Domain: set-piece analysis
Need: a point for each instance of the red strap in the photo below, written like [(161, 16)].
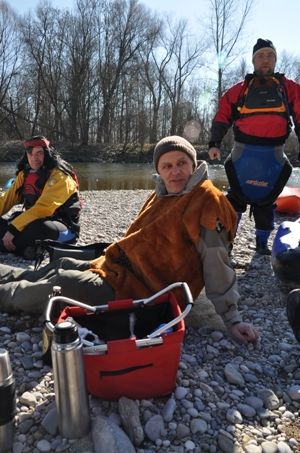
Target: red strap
[(123, 304), (43, 142)]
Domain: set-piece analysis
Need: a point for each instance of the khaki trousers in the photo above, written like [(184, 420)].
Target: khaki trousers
[(29, 290)]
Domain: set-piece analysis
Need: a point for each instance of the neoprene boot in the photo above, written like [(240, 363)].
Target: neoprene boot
[(262, 237), (293, 311), (29, 253)]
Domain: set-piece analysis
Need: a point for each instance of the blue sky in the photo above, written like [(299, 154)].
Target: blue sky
[(270, 19)]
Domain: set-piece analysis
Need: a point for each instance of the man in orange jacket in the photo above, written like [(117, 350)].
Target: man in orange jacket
[(182, 233)]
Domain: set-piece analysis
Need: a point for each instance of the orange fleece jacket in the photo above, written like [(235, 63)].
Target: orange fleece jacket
[(159, 247)]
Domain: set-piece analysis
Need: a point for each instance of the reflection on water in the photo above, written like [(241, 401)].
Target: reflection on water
[(97, 176), (94, 176)]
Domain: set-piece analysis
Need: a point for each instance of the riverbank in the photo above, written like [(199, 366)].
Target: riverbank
[(229, 397), (12, 151)]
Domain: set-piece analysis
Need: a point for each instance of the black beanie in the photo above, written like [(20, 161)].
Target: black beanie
[(263, 44), (174, 143)]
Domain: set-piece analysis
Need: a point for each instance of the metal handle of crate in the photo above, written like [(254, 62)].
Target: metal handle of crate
[(148, 300), (167, 289), (67, 301), (97, 308), (173, 322)]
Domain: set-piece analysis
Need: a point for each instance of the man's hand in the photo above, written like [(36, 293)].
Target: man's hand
[(214, 153), (244, 332), (8, 242)]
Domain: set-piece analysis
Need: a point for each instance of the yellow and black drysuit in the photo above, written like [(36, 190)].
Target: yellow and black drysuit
[(50, 208)]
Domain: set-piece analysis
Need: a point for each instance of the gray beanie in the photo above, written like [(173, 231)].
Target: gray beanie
[(174, 143)]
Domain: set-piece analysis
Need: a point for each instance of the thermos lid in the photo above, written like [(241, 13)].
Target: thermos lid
[(5, 366), (65, 332)]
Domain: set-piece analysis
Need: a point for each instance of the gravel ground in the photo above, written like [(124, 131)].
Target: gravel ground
[(229, 397)]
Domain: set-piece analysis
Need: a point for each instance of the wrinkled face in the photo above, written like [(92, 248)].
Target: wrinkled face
[(35, 157), (175, 169), (264, 62)]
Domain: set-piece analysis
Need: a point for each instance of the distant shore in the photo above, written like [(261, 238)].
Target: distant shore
[(12, 151)]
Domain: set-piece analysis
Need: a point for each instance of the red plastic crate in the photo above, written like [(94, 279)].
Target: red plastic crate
[(141, 366)]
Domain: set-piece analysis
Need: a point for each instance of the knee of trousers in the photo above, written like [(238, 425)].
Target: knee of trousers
[(25, 296)]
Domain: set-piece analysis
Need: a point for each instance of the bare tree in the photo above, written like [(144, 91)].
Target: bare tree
[(81, 49), (199, 95), (227, 22), (124, 29), (111, 71), (182, 56), (289, 65), (9, 61), (152, 67), (45, 43)]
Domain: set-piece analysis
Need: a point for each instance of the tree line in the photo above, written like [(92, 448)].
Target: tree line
[(115, 72)]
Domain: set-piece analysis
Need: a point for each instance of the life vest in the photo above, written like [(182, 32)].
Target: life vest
[(262, 96), (31, 189), (33, 186)]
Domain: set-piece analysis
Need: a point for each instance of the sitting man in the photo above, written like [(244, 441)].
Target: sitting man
[(183, 232), (47, 187)]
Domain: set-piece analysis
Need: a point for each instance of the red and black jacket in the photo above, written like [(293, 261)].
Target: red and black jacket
[(259, 109)]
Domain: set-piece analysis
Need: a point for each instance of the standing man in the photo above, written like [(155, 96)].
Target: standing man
[(260, 109)]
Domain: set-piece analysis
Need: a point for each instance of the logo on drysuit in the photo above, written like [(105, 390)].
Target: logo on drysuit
[(255, 182)]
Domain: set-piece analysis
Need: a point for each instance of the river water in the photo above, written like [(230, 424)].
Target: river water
[(99, 176)]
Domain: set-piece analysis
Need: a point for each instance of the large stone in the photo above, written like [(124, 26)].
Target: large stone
[(203, 314), (109, 438), (130, 417)]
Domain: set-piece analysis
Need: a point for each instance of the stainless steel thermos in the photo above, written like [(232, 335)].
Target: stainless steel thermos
[(69, 381), (7, 402)]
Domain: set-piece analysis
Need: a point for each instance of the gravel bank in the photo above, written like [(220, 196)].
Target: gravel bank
[(229, 398)]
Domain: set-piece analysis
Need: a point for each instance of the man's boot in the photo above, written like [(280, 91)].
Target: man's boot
[(293, 312), (262, 242)]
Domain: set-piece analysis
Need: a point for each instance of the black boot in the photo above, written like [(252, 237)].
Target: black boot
[(29, 253), (262, 247), (293, 312)]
